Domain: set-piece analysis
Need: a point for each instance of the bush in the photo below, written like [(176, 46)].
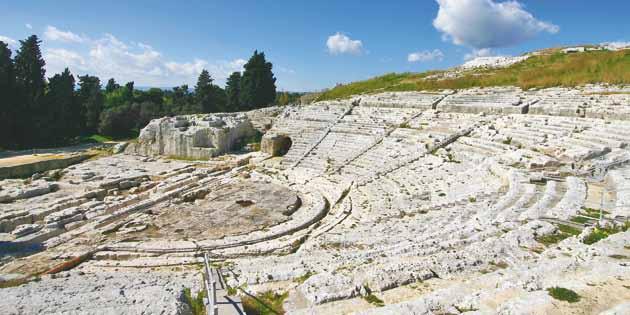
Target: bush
[(563, 294)]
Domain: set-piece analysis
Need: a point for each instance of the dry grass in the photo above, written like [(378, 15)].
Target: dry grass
[(555, 69)]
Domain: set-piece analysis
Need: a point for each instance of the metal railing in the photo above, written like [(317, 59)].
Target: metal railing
[(211, 288)]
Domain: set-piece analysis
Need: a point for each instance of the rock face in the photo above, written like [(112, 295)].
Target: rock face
[(192, 136)]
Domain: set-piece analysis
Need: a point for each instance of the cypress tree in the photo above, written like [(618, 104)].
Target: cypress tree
[(203, 92), (258, 85), (29, 75), (64, 116), (91, 97), (7, 97), (232, 91)]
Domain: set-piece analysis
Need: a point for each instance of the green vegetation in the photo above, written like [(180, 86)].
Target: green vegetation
[(564, 231), (264, 303), (17, 282), (96, 139), (563, 294), (49, 112), (304, 277), (373, 299), (196, 304), (556, 69), (600, 233)]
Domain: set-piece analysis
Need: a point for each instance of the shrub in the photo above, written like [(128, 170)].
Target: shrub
[(563, 294)]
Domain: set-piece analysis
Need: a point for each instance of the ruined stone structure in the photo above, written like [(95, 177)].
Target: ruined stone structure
[(477, 200), (192, 136)]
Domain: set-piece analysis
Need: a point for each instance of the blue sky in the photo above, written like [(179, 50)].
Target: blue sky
[(312, 44)]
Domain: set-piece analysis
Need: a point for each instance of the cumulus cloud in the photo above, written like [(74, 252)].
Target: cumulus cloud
[(29, 26), (54, 34), (487, 24), (108, 57), (342, 44), (426, 55), (8, 40), (484, 52)]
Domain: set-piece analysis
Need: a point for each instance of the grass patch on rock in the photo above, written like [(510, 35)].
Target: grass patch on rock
[(196, 304), (564, 232), (265, 303), (563, 294), (600, 233), (304, 277)]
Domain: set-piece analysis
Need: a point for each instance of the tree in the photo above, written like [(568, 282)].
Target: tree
[(91, 96), (63, 112), (258, 85), (29, 76), (232, 91), (111, 86), (204, 93), (128, 92), (7, 97)]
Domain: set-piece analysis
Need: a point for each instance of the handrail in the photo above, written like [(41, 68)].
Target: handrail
[(211, 288)]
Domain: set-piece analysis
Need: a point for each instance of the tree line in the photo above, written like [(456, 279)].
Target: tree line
[(61, 110)]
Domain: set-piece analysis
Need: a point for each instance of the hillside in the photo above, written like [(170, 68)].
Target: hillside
[(546, 69)]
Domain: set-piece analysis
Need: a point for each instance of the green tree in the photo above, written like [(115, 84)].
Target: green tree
[(7, 97), (258, 84), (91, 97), (111, 86), (30, 81), (232, 91), (128, 92), (63, 112), (203, 92)]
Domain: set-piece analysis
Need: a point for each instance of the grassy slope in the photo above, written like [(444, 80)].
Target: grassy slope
[(556, 69)]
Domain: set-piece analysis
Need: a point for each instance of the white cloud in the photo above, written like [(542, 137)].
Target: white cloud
[(484, 52), (9, 41), (426, 55), (487, 24), (109, 57), (29, 26), (342, 44), (54, 34)]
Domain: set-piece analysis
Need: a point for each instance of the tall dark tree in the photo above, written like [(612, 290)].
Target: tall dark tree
[(91, 96), (111, 86), (203, 92), (128, 92), (233, 91), (64, 118), (29, 76), (7, 97), (258, 85)]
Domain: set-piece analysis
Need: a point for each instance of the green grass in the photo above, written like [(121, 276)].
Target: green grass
[(556, 69), (563, 294), (265, 303), (564, 231), (196, 304), (374, 300), (96, 139), (600, 233), (304, 277)]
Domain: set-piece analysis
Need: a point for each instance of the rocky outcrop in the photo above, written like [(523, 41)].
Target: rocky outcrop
[(192, 136)]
